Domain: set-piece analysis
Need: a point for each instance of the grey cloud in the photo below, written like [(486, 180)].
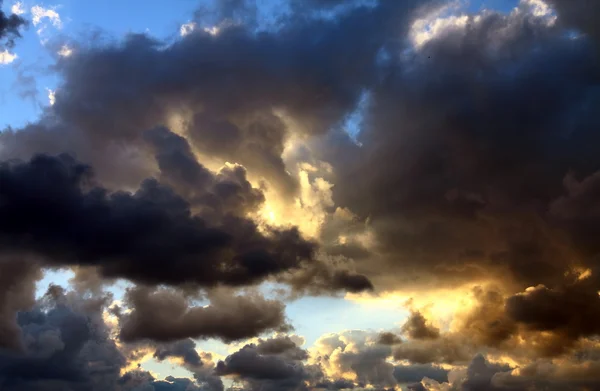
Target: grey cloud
[(416, 372), (184, 349), (457, 166), (165, 315), (133, 236), (18, 277), (9, 28), (417, 327), (388, 338), (66, 344)]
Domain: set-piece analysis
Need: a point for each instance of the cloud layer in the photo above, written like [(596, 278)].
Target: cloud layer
[(414, 150)]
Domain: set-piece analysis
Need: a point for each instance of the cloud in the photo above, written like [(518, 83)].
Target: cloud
[(416, 327), (164, 315), (7, 57), (184, 349), (39, 13), (187, 28), (65, 343), (145, 229), (448, 203), (44, 19), (9, 30), (355, 355), (17, 8), (65, 51), (216, 156), (18, 281), (269, 366), (579, 14), (388, 338), (51, 96), (415, 373)]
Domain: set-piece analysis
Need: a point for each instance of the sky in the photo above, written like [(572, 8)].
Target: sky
[(299, 195)]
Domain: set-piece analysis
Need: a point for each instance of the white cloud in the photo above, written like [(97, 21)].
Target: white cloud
[(540, 9), (40, 13), (65, 51), (17, 8), (6, 57), (43, 18), (440, 21), (187, 28), (51, 96), (214, 30)]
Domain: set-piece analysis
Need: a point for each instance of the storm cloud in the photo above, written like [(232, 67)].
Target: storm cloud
[(381, 150), (131, 235)]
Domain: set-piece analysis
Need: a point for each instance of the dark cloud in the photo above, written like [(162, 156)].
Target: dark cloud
[(226, 86), (482, 375), (134, 236), (229, 192), (248, 363), (282, 345), (9, 28), (340, 384), (66, 346), (325, 277), (479, 376), (18, 277), (416, 387), (487, 323), (416, 372), (142, 381), (165, 315), (579, 14), (457, 165), (476, 163), (261, 369), (200, 365), (570, 312), (450, 348), (417, 327), (388, 338)]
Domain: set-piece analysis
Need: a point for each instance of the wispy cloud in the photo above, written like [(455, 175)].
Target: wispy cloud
[(44, 18), (39, 13)]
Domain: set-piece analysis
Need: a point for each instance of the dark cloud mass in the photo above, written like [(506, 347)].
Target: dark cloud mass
[(9, 28), (475, 145), (166, 316), (416, 327), (193, 167), (50, 206)]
